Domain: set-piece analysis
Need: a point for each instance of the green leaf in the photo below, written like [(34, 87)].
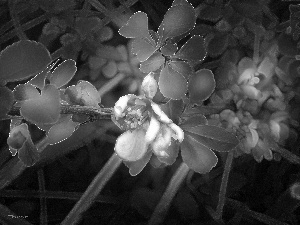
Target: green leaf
[(153, 63), (136, 26), (197, 156), (143, 48), (39, 79), (22, 60), (172, 84), (184, 68), (169, 48), (201, 85), (24, 92), (193, 49), (180, 2), (63, 73), (287, 45), (6, 101), (179, 19), (44, 109), (28, 153), (61, 130), (193, 121), (213, 137)]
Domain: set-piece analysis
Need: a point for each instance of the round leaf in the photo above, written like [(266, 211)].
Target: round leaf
[(6, 101), (25, 91), (136, 26), (172, 84), (193, 49), (61, 130), (63, 73), (178, 20), (22, 60), (197, 156), (201, 85), (43, 109), (169, 49)]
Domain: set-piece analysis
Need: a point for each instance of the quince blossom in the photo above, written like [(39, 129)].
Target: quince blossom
[(147, 127)]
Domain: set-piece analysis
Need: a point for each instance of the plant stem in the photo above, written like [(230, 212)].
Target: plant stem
[(93, 190), (93, 112), (162, 207), (223, 188)]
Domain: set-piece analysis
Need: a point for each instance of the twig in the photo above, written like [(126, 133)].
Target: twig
[(92, 112)]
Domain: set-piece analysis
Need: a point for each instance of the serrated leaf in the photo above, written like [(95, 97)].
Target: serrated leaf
[(44, 109), (63, 73), (169, 49), (184, 68), (179, 19), (61, 130), (193, 49), (6, 101), (197, 156), (213, 137), (24, 92), (143, 48), (201, 85), (217, 45), (172, 84), (153, 63), (22, 60), (136, 26)]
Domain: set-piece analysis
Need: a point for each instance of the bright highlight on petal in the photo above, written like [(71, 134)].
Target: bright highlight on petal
[(152, 130), (121, 105), (179, 132), (131, 146), (162, 116)]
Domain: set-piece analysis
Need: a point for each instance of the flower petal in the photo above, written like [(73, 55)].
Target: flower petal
[(131, 146), (152, 130)]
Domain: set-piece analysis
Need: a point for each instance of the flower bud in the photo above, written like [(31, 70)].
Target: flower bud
[(149, 86)]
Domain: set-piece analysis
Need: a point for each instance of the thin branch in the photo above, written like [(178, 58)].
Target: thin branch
[(93, 113)]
